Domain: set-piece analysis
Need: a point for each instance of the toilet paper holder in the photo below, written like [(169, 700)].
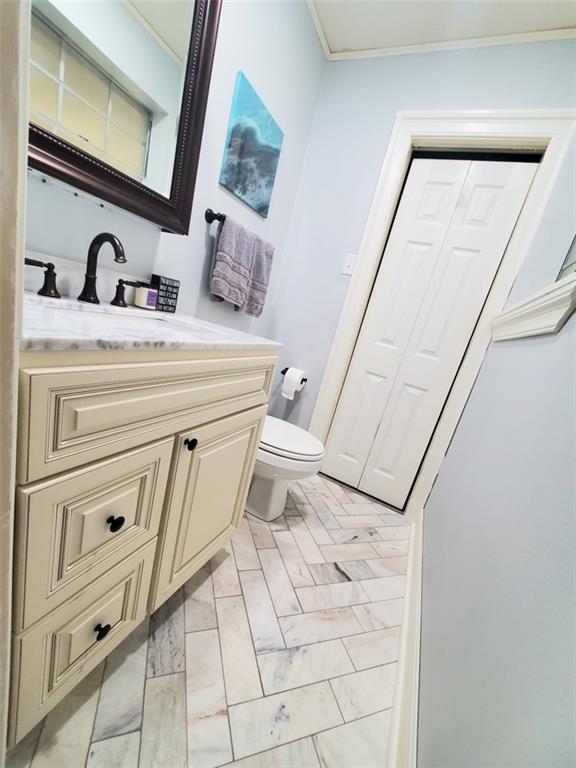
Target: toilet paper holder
[(283, 372)]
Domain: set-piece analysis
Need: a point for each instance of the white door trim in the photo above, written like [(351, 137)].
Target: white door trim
[(14, 36), (551, 131), (546, 311), (402, 741)]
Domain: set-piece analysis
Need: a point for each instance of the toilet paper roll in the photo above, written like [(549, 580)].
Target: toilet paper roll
[(293, 382)]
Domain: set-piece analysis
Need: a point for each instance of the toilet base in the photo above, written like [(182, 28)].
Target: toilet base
[(267, 497)]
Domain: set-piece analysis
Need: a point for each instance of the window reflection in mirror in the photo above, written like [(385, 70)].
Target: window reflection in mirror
[(569, 265), (107, 77)]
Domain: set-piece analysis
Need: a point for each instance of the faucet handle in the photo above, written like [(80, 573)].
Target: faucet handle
[(49, 285), (119, 300)]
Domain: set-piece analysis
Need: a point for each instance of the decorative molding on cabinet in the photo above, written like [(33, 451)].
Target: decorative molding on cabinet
[(544, 312)]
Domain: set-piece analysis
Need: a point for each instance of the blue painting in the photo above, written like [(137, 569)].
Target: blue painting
[(252, 148)]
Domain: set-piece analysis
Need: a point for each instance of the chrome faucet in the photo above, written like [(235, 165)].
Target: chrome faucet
[(89, 291)]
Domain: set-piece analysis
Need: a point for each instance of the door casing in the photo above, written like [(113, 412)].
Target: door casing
[(544, 130), (550, 131), (384, 421)]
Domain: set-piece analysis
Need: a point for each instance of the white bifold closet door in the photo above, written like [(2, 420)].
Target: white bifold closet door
[(450, 232)]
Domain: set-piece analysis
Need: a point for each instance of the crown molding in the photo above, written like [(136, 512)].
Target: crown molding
[(540, 36), (456, 45), (544, 312), (319, 29)]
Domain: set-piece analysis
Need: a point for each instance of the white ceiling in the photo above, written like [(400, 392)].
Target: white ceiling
[(170, 20), (349, 28)]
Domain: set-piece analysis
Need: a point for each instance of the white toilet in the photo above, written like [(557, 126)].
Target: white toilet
[(286, 453)]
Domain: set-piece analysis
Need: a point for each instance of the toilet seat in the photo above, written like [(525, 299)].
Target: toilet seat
[(271, 465), (289, 441)]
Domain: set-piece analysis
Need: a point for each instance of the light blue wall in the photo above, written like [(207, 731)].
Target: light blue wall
[(497, 685), (62, 221), (499, 562), (276, 46), (499, 566), (337, 120), (498, 538), (356, 110)]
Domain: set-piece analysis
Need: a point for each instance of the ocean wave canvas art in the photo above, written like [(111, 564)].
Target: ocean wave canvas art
[(253, 145)]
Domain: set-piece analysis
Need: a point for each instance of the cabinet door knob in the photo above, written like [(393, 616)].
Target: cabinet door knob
[(190, 443), (102, 631), (115, 523)]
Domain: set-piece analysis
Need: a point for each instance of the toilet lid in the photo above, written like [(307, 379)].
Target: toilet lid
[(284, 439)]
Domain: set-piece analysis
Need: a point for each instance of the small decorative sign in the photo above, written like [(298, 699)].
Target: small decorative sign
[(167, 288), (252, 149)]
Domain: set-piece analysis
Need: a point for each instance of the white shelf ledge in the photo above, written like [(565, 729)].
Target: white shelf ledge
[(544, 312)]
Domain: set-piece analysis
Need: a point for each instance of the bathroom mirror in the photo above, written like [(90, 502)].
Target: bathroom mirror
[(118, 92)]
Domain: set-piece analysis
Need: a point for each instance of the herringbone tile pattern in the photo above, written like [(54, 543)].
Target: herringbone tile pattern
[(281, 652)]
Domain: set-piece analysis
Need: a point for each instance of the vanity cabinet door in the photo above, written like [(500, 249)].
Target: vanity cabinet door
[(206, 496)]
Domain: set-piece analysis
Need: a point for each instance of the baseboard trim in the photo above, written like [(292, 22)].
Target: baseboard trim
[(402, 742)]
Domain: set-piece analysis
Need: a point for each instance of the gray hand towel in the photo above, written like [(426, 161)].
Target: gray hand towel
[(241, 267), (259, 277)]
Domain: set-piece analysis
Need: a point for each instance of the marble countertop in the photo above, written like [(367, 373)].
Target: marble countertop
[(61, 324)]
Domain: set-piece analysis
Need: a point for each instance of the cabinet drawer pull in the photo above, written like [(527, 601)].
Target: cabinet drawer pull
[(190, 443), (102, 631), (115, 523)]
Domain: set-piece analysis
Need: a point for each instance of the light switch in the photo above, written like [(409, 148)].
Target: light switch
[(349, 260)]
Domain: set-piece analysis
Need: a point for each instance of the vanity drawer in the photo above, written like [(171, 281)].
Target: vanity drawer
[(69, 530), (71, 416), (51, 658)]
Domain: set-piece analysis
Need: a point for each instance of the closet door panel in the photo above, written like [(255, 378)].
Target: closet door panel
[(483, 221), (426, 208)]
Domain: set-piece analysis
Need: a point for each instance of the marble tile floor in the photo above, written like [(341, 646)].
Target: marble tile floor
[(280, 653)]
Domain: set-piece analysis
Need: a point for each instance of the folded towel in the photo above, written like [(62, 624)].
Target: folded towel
[(259, 277), (230, 277), (241, 267)]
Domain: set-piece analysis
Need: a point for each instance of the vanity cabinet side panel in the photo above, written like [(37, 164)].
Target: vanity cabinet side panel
[(24, 426), (211, 475)]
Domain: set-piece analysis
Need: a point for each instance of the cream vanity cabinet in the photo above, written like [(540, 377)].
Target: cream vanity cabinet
[(133, 470)]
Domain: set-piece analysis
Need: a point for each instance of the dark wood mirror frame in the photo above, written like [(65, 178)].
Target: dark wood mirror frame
[(55, 157)]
